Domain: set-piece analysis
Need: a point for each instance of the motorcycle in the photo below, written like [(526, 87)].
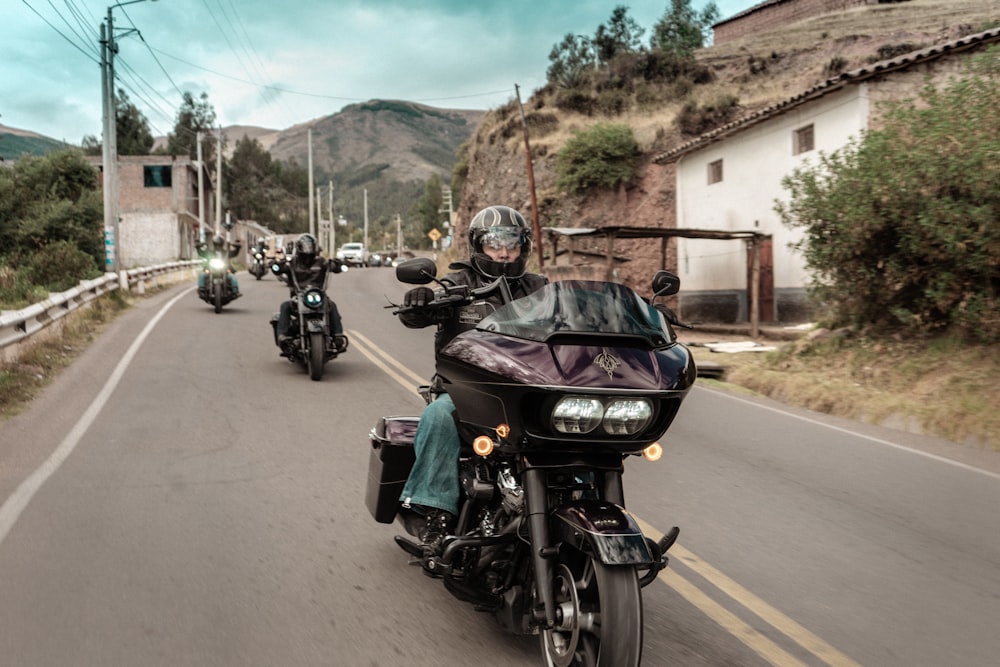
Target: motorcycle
[(217, 290), (258, 267), (553, 392), (312, 344)]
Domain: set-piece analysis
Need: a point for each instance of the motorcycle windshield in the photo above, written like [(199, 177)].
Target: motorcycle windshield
[(579, 307)]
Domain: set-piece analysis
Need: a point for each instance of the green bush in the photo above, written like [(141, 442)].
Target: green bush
[(603, 156), (60, 266), (901, 226)]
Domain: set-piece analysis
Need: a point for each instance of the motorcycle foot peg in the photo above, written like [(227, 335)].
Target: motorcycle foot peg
[(434, 567), (409, 546), (668, 540)]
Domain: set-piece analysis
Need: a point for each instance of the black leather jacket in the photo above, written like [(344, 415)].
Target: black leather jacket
[(456, 320)]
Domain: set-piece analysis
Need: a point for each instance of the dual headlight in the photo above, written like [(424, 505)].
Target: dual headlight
[(313, 298), (618, 416)]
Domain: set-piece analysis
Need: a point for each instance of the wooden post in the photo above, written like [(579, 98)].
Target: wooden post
[(531, 183), (755, 287), (610, 270)]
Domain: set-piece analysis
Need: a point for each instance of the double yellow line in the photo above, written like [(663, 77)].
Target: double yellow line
[(764, 647)]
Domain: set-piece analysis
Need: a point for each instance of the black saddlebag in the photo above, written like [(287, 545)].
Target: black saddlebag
[(389, 464)]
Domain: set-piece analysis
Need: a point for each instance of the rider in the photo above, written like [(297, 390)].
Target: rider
[(218, 249), (309, 270), (499, 243)]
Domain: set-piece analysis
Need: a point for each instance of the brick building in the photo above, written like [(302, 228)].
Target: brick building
[(773, 13), (158, 206)]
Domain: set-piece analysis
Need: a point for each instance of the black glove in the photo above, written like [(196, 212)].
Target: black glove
[(418, 296), (336, 265)]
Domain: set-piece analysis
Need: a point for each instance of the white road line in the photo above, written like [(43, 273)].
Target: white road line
[(12, 508)]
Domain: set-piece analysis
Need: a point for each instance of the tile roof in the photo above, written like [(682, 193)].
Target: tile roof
[(836, 83)]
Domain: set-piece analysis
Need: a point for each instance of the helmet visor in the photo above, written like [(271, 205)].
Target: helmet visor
[(502, 238)]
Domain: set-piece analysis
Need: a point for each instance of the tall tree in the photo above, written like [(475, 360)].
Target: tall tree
[(621, 34), (194, 116), (426, 212), (249, 181), (131, 130), (570, 60), (681, 29)]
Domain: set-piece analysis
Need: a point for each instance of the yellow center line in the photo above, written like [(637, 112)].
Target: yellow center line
[(772, 616)]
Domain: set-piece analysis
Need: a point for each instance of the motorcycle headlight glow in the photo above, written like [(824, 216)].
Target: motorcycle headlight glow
[(577, 414), (216, 263), (313, 298), (627, 416)]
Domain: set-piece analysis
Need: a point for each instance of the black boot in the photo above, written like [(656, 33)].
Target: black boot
[(438, 526)]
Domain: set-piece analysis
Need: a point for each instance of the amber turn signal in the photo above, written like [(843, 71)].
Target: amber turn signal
[(482, 445), (653, 452)]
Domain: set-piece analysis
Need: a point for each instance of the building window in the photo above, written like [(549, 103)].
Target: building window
[(715, 172), (156, 176), (803, 140)]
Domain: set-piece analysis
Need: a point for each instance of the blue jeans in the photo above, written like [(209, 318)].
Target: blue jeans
[(433, 481), (233, 285)]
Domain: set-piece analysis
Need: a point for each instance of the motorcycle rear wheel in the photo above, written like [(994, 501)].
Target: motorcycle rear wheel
[(316, 355), (601, 624)]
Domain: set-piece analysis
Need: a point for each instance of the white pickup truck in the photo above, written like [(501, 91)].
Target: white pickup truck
[(354, 254)]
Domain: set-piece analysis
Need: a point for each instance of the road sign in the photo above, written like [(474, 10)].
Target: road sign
[(434, 235)]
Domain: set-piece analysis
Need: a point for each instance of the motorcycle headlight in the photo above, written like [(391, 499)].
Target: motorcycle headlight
[(618, 416), (313, 298), (577, 414), (216, 263), (626, 416)]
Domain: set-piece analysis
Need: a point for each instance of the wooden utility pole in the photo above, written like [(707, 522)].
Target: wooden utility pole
[(535, 227)]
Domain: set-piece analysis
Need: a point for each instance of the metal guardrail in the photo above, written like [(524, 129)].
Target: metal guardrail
[(16, 326)]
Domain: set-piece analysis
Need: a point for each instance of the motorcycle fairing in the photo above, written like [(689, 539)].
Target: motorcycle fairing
[(602, 529)]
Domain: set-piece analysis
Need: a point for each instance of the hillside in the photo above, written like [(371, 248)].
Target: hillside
[(15, 142), (757, 71)]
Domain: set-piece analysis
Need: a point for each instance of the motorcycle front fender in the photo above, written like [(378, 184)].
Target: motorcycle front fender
[(314, 326), (603, 530)]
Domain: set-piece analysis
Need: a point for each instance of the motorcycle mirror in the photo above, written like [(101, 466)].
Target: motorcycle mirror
[(416, 271), (665, 283)]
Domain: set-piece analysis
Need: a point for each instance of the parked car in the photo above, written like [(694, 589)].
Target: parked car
[(354, 254)]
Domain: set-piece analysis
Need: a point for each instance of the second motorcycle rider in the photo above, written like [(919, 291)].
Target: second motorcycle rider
[(499, 245), (310, 270)]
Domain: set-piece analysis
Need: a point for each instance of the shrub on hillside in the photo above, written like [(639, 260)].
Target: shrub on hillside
[(602, 156), (60, 266), (901, 226)]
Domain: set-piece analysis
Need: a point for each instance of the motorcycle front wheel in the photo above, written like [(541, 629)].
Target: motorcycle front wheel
[(218, 298), (601, 620), (316, 355)]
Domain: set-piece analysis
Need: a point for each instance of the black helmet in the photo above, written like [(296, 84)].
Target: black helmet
[(306, 248), (218, 241), (499, 226)]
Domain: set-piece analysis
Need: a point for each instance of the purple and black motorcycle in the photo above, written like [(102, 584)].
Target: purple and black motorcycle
[(553, 393)]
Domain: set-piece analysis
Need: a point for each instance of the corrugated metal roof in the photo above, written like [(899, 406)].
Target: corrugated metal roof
[(830, 85)]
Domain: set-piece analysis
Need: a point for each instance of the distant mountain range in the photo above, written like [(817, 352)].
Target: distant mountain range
[(395, 140)]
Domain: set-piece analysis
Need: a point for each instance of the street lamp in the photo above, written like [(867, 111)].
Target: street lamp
[(110, 147)]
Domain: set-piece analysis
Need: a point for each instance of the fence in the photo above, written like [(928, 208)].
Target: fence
[(18, 326)]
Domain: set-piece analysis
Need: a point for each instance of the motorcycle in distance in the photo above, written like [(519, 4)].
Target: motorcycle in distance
[(218, 290), (312, 343), (553, 393), (258, 266)]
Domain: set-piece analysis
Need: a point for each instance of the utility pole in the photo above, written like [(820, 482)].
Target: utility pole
[(312, 226), (333, 225), (536, 229), (201, 190), (366, 218), (218, 183)]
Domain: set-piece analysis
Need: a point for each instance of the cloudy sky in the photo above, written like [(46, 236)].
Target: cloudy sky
[(275, 63)]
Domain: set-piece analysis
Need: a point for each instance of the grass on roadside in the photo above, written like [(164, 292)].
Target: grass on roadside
[(940, 386), (23, 380)]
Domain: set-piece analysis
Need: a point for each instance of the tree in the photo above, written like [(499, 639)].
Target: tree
[(681, 29), (249, 181), (193, 117), (620, 35), (570, 60), (426, 212), (131, 130), (901, 226)]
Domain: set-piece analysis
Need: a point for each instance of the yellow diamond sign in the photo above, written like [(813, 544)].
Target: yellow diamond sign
[(434, 234)]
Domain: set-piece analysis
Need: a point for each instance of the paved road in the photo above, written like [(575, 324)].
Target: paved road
[(183, 496)]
